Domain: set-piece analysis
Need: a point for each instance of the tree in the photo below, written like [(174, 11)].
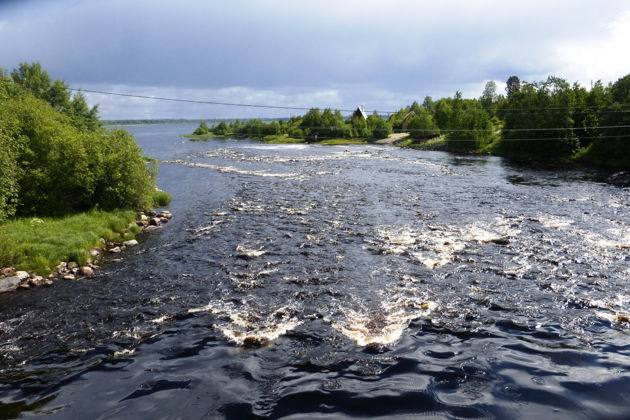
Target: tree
[(428, 103), (513, 85), (36, 80), (202, 130), (547, 109), (489, 97), (422, 124)]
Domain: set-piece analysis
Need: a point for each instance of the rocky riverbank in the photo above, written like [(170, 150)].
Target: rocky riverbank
[(12, 279)]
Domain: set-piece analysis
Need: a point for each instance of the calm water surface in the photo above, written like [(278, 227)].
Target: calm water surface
[(300, 281)]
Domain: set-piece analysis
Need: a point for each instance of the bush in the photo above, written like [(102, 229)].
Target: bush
[(160, 198), (48, 167)]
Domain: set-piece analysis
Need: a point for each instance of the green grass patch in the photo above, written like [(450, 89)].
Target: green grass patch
[(160, 198), (35, 244), (438, 143), (343, 141), (282, 139), (195, 137)]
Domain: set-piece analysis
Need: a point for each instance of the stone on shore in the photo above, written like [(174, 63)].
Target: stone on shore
[(130, 243), (86, 271), (69, 277), (115, 250), (155, 221), (22, 275), (9, 284), (8, 272)]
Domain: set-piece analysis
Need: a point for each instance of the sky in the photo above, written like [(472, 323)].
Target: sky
[(382, 55)]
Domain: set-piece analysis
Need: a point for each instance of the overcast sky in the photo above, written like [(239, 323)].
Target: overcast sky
[(324, 53)]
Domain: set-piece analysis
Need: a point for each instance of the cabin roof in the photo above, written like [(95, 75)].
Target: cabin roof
[(360, 112)]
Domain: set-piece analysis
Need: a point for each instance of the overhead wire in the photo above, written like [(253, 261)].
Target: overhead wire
[(303, 108)]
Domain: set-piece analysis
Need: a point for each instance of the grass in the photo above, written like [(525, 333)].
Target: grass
[(282, 139), (343, 141), (438, 143), (160, 198), (39, 245)]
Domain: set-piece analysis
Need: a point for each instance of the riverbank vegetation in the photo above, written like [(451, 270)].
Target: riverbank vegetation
[(548, 120), (57, 160), (324, 127), (39, 244)]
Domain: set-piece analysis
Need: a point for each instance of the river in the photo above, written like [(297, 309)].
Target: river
[(308, 281)]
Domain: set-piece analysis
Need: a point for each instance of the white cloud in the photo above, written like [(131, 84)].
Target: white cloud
[(605, 57)]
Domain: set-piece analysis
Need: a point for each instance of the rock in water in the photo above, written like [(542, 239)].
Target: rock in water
[(86, 271), (620, 179), (130, 243)]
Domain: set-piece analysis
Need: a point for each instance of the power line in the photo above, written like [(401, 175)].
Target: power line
[(194, 101), (589, 109)]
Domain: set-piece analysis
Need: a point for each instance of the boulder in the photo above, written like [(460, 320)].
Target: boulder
[(142, 223), (163, 220), (155, 221), (166, 214), (144, 218), (69, 277), (115, 250), (86, 271), (22, 275), (38, 281), (8, 272), (130, 243), (8, 284), (72, 265), (151, 228), (95, 252), (62, 266)]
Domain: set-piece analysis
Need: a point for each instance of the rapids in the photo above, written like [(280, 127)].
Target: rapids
[(305, 281)]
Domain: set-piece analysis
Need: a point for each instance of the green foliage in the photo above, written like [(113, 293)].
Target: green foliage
[(34, 79), (160, 198), (39, 244), (613, 148), (10, 171), (421, 124), (202, 129), (471, 125), (379, 127), (553, 136), (125, 181), (53, 163)]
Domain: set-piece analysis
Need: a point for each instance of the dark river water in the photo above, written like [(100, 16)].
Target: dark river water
[(302, 281)]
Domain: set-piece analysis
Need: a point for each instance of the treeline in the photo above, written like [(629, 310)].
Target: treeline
[(552, 119), (314, 125), (55, 156)]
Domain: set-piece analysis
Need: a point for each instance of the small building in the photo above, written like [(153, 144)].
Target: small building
[(360, 113)]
